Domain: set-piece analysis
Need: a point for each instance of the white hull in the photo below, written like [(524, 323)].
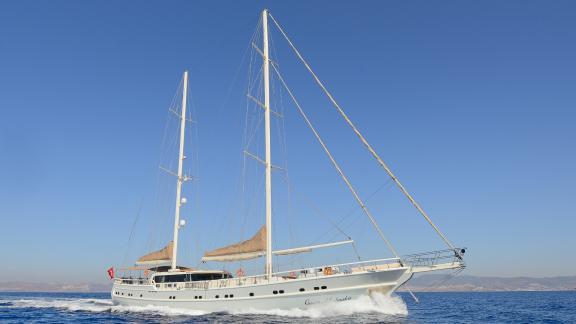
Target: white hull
[(338, 287)]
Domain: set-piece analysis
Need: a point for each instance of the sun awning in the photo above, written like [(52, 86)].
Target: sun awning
[(158, 257), (249, 249), (255, 247)]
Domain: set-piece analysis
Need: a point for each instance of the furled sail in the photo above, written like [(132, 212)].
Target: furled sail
[(252, 248), (158, 257)]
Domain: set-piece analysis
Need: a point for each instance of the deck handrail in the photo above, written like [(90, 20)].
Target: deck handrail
[(411, 260)]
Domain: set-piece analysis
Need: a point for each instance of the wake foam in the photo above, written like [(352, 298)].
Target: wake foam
[(377, 303), (89, 305), (100, 306)]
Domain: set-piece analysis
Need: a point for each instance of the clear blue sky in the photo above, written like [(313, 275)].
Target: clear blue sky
[(473, 105)]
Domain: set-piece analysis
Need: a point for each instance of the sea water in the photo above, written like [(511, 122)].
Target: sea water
[(462, 307)]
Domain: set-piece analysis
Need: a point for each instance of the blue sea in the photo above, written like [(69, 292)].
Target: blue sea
[(464, 307)]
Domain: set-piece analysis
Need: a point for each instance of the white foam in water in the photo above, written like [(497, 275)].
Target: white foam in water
[(378, 303), (100, 305), (391, 305), (162, 310), (89, 305)]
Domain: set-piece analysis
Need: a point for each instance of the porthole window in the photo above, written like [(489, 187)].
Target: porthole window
[(217, 296), (302, 289), (231, 296), (140, 295), (225, 296), (323, 287), (316, 288), (275, 292), (251, 294), (281, 291)]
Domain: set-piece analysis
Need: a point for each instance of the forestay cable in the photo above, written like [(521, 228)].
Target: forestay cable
[(364, 141)]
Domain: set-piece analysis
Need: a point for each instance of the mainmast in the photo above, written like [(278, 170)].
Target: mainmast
[(268, 162), (180, 180)]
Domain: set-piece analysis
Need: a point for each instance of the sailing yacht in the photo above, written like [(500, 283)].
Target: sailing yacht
[(162, 282)]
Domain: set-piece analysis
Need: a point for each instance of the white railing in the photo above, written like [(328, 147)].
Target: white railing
[(431, 259), (414, 260)]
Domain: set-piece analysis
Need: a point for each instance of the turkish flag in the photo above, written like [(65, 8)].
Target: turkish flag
[(111, 272)]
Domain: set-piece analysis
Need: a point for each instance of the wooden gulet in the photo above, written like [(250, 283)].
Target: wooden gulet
[(167, 284)]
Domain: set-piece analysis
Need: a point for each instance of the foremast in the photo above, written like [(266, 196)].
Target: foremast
[(180, 178), (268, 162)]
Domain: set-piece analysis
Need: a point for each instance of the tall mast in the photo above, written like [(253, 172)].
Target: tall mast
[(266, 71), (181, 158)]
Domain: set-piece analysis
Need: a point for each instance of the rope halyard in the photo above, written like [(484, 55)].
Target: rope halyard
[(364, 141), (335, 164)]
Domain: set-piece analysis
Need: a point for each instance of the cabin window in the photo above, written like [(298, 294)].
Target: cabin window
[(316, 288), (176, 278), (207, 276), (323, 287), (302, 289), (251, 294), (281, 291), (217, 296), (190, 277), (231, 296), (275, 292), (170, 278), (225, 296)]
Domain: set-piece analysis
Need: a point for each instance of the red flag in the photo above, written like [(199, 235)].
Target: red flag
[(111, 272)]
